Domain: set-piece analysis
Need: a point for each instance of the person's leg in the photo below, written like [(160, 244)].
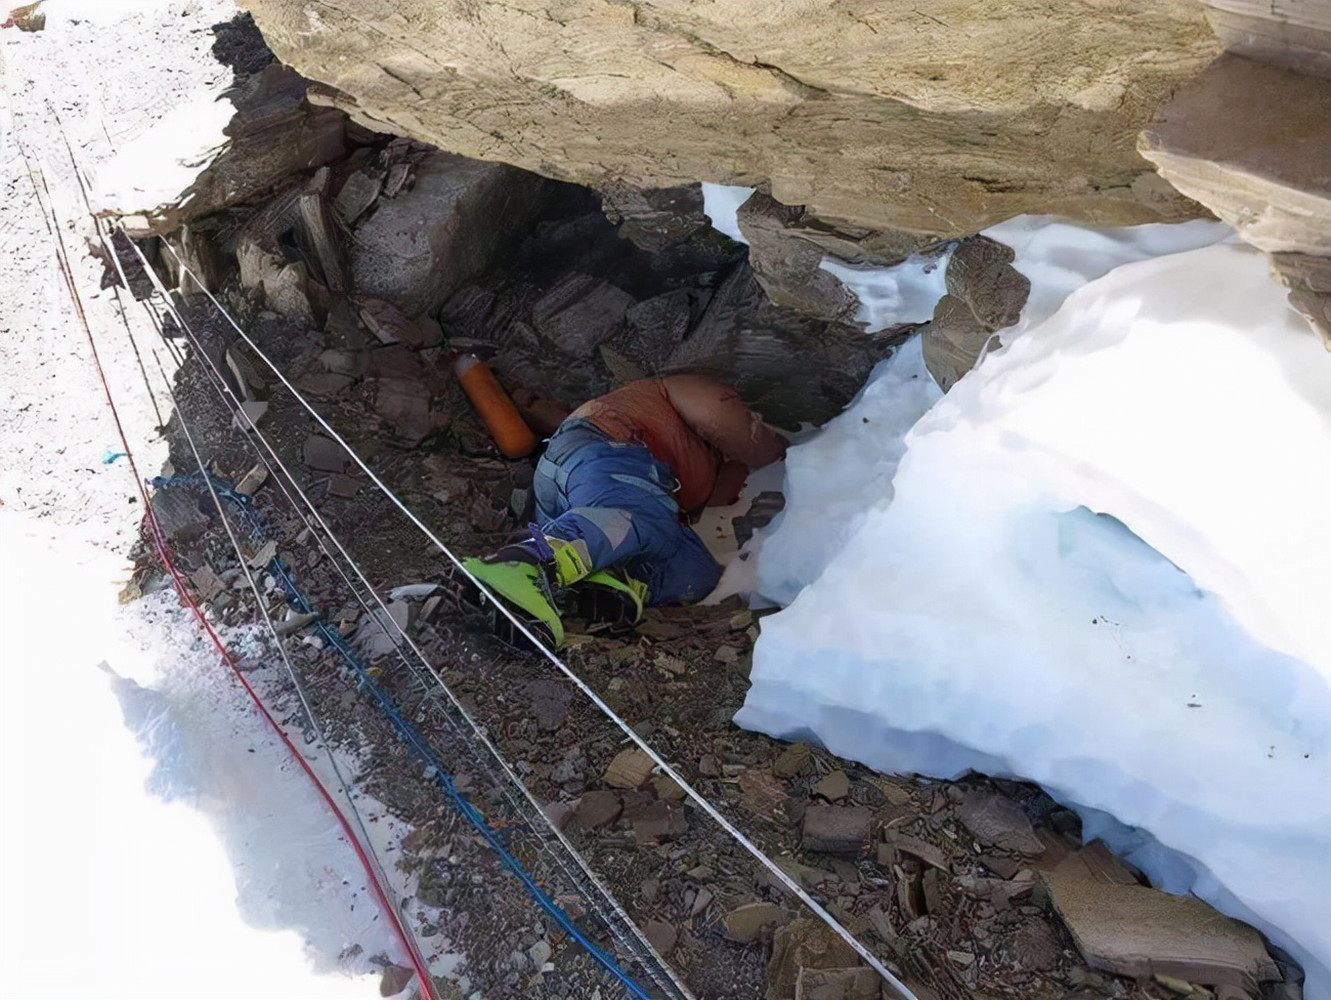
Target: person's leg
[(615, 503)]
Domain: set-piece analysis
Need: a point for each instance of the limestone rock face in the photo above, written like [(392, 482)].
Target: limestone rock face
[(1291, 33), (1253, 143), (425, 242), (984, 294), (934, 121)]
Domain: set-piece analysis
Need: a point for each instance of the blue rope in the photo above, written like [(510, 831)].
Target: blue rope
[(435, 769)]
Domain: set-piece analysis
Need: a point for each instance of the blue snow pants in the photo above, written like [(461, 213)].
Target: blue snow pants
[(615, 496)]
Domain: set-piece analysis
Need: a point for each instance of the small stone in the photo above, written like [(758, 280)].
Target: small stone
[(726, 654), (836, 829), (895, 794), (630, 768), (961, 958), (358, 193), (997, 821), (667, 788), (741, 620), (803, 945), (661, 935), (745, 923), (1002, 867), (548, 700), (249, 414), (395, 979), (539, 953), (932, 883), (324, 454), (658, 820), (792, 760), (832, 786), (701, 902), (921, 849), (558, 813), (671, 664), (650, 888), (598, 808), (252, 480), (323, 383), (1180, 987), (708, 766), (342, 485), (761, 794), (263, 555), (207, 583)]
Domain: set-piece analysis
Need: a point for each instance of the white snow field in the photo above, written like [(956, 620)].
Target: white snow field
[(1098, 563), (151, 849)]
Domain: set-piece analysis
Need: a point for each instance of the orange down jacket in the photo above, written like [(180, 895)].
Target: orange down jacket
[(694, 424)]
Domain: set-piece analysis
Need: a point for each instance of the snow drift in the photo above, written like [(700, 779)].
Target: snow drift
[(1099, 565)]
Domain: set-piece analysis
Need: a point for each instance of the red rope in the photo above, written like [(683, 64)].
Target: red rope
[(381, 897)]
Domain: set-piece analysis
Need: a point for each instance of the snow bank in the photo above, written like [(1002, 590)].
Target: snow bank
[(1099, 566), (720, 203), (151, 848)]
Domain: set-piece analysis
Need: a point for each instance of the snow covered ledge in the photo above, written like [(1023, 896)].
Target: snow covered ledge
[(1102, 565)]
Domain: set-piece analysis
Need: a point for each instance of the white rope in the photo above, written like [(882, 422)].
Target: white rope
[(903, 992), (287, 482)]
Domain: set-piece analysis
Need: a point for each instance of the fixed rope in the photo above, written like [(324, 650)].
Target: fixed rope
[(899, 988), (370, 867), (639, 944)]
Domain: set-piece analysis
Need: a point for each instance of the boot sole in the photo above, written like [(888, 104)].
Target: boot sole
[(458, 587)]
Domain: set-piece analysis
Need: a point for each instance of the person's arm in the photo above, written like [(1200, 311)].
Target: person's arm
[(714, 412)]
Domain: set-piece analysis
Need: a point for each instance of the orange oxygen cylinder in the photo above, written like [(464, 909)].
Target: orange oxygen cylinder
[(510, 432)]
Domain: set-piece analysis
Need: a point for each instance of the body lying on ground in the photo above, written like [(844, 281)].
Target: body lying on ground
[(615, 489)]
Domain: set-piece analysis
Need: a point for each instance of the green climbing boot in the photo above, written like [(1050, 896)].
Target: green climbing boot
[(611, 599), (525, 590)]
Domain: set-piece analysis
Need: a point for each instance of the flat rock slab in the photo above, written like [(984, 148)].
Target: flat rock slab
[(662, 935), (598, 808), (745, 923), (836, 829), (629, 769), (1133, 930), (833, 786), (996, 821), (324, 454), (800, 947)]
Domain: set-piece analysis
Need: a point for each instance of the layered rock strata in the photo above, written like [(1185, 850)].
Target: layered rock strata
[(934, 122), (1252, 142)]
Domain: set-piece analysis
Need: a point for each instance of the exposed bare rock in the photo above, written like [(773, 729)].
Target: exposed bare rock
[(803, 945), (275, 134), (786, 265), (836, 829), (1251, 142), (447, 227), (655, 219), (879, 116), (984, 293), (1309, 281), (752, 341), (1289, 33), (980, 274), (1133, 930), (581, 313)]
